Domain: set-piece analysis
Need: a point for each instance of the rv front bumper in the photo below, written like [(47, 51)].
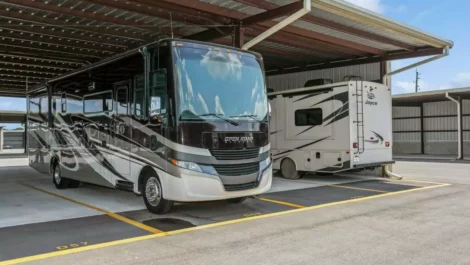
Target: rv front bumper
[(195, 187)]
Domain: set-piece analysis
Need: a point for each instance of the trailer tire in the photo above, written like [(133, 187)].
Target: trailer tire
[(236, 200), (153, 195), (288, 169), (59, 182)]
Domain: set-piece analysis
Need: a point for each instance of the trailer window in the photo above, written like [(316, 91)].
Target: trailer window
[(98, 102), (308, 117)]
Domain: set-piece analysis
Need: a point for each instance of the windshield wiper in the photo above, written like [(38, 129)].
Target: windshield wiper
[(218, 115), (254, 117)]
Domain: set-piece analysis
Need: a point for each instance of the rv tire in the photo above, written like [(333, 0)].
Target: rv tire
[(73, 184), (59, 182), (288, 169), (153, 196)]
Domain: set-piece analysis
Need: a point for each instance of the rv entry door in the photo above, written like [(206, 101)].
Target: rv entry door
[(122, 129)]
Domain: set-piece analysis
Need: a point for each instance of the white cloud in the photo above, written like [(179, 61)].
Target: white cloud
[(372, 5), (461, 80)]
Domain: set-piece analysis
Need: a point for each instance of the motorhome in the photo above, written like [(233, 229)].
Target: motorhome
[(174, 121), (331, 128)]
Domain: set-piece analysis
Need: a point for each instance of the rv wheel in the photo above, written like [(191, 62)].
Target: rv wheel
[(153, 196), (59, 181), (288, 169)]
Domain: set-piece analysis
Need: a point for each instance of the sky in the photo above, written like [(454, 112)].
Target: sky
[(447, 19)]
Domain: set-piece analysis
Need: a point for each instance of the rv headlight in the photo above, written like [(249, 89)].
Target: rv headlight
[(265, 163), (187, 165)]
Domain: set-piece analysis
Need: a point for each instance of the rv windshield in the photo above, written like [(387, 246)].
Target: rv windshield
[(214, 83)]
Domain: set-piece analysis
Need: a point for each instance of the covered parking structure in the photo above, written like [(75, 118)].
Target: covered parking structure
[(432, 125), (43, 39)]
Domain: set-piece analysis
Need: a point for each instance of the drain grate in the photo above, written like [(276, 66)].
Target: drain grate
[(168, 224)]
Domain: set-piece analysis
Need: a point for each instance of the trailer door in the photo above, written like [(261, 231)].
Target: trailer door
[(122, 133)]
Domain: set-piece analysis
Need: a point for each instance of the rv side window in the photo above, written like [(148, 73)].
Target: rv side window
[(139, 96), (308, 117), (98, 102)]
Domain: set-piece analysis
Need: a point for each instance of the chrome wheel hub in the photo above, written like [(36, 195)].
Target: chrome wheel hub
[(57, 177), (153, 191)]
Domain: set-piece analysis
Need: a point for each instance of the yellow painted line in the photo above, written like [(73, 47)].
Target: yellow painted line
[(356, 188), (281, 202), (422, 181), (196, 228), (111, 214)]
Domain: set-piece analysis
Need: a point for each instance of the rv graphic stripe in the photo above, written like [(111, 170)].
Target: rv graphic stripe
[(343, 97)]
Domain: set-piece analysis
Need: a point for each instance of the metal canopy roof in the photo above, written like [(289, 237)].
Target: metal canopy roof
[(41, 39), (416, 99)]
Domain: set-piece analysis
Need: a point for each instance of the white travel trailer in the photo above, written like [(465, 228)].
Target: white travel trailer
[(331, 128)]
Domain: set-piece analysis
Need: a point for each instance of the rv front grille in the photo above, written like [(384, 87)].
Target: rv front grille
[(244, 186), (237, 170), (235, 154)]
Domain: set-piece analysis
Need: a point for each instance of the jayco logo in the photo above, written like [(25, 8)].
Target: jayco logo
[(370, 95), (372, 103), (244, 139)]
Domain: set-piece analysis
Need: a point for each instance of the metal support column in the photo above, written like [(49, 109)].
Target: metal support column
[(25, 141), (461, 130), (239, 38), (422, 127), (1, 139), (459, 124)]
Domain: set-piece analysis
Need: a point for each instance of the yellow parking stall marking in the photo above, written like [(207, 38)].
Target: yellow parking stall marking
[(110, 214), (281, 202), (196, 228), (356, 188)]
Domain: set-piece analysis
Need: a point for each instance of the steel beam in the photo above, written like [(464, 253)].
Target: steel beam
[(48, 52), (233, 14), (274, 13), (44, 6), (33, 64), (115, 33), (29, 76), (55, 41), (263, 4), (16, 69), (42, 59), (35, 29), (239, 36), (358, 61)]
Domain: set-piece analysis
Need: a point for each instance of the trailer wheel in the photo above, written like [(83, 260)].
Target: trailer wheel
[(59, 182), (153, 196), (288, 169), (237, 200)]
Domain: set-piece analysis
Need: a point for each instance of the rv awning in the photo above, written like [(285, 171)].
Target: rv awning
[(44, 39)]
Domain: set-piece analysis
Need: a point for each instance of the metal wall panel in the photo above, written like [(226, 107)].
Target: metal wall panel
[(368, 72), (440, 137), (442, 123), (407, 125), (465, 106), (405, 112), (440, 108), (407, 137)]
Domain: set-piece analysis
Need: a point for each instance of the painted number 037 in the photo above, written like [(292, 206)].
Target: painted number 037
[(64, 247)]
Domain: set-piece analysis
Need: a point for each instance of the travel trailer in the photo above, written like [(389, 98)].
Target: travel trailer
[(174, 121), (331, 128)]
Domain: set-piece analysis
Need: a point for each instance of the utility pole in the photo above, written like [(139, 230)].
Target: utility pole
[(417, 80)]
